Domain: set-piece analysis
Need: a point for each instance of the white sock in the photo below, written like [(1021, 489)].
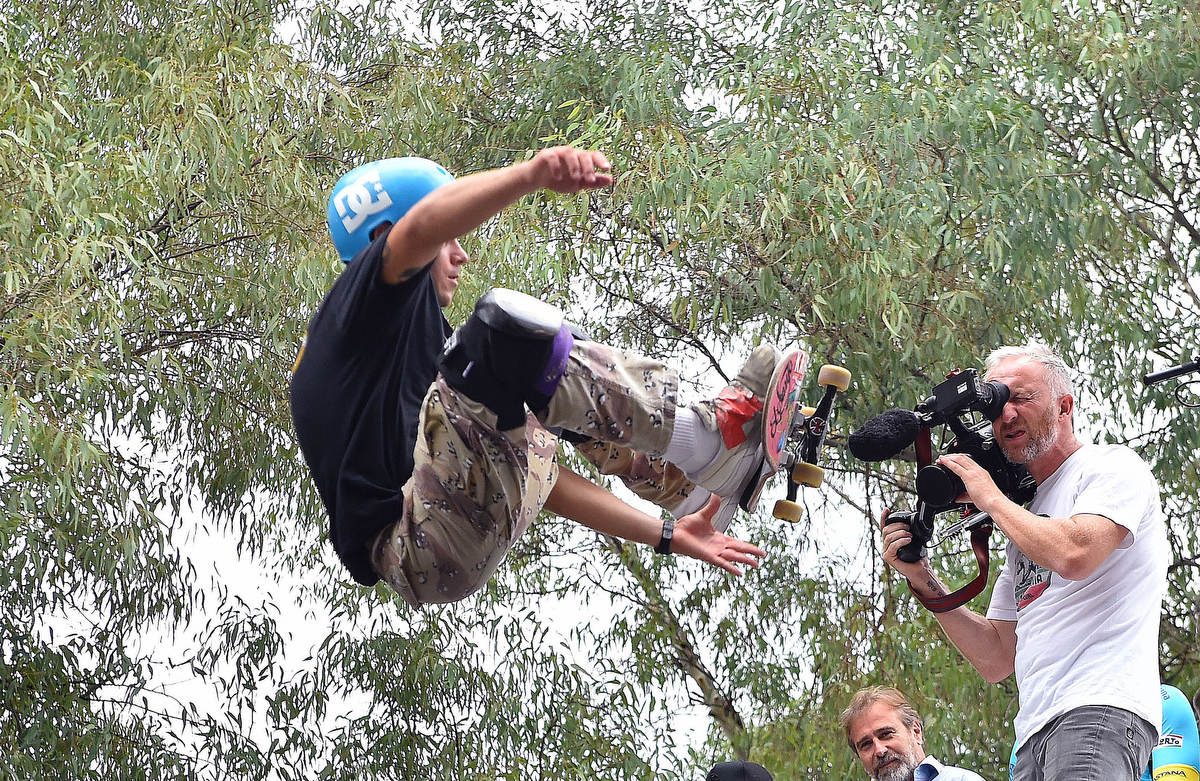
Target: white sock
[(692, 446)]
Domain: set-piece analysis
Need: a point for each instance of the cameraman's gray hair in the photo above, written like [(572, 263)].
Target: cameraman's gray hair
[(1057, 372)]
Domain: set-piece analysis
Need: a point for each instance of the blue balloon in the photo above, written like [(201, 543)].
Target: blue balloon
[(1177, 755)]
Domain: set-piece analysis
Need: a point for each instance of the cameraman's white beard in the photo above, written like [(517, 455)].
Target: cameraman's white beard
[(902, 770), (1039, 442), (1036, 447)]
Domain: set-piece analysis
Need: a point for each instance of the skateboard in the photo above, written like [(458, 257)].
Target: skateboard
[(792, 434)]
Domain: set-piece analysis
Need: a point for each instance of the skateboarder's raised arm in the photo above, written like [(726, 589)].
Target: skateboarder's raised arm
[(579, 499), (461, 206)]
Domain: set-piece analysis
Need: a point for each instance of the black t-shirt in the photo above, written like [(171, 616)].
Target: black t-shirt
[(370, 357)]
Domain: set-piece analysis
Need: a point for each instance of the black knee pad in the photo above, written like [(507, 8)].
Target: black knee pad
[(500, 356)]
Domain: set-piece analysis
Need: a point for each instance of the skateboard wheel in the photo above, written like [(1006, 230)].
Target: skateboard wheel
[(835, 376), (788, 511), (808, 412), (808, 474)]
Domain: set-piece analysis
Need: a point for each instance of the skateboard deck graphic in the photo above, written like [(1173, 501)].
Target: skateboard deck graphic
[(794, 435), (780, 405)]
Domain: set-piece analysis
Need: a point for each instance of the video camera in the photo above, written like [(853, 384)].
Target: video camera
[(960, 395), (966, 406)]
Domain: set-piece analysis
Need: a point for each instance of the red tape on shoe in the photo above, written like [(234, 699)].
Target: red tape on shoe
[(735, 406)]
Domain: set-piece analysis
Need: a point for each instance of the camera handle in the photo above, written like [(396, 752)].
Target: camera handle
[(981, 530), (955, 424), (923, 530)]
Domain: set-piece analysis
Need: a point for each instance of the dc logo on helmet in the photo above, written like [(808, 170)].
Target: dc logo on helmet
[(377, 193), (360, 200)]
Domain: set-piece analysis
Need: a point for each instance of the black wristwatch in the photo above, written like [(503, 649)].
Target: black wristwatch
[(664, 542)]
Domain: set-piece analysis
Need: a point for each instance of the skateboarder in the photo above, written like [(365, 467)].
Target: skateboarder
[(433, 451)]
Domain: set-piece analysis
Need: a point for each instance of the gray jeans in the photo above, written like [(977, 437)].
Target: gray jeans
[(1092, 743)]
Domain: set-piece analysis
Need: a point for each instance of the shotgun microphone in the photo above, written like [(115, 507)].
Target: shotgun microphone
[(885, 436)]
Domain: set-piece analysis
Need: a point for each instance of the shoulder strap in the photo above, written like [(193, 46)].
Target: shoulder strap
[(944, 604)]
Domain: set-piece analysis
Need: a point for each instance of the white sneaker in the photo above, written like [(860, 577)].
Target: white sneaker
[(736, 415)]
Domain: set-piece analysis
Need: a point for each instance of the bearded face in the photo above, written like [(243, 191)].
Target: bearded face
[(889, 749), (1035, 423), (898, 765), (1041, 434)]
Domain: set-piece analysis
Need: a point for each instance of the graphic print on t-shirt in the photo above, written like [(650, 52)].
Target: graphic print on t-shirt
[(1029, 581)]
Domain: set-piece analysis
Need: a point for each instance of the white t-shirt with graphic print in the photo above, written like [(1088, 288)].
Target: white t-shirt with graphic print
[(1091, 641)]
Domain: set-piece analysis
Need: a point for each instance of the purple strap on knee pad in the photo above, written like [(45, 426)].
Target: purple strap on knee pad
[(556, 364)]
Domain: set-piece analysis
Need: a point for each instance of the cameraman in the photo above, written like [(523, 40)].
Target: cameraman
[(1075, 609)]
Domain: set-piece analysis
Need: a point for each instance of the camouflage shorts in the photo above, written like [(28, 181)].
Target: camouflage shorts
[(475, 490), (614, 396), (649, 477)]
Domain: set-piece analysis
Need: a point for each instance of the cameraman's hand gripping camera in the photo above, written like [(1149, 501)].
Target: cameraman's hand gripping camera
[(967, 407)]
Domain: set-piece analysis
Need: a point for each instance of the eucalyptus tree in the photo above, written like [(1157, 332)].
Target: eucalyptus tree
[(901, 186), (163, 169)]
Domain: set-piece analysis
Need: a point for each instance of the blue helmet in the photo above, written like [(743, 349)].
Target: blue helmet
[(375, 193)]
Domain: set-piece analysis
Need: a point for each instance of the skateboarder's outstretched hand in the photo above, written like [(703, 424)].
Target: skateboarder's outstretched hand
[(565, 169), (581, 500), (696, 537)]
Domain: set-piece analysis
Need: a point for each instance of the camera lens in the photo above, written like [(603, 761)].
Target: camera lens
[(938, 486)]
